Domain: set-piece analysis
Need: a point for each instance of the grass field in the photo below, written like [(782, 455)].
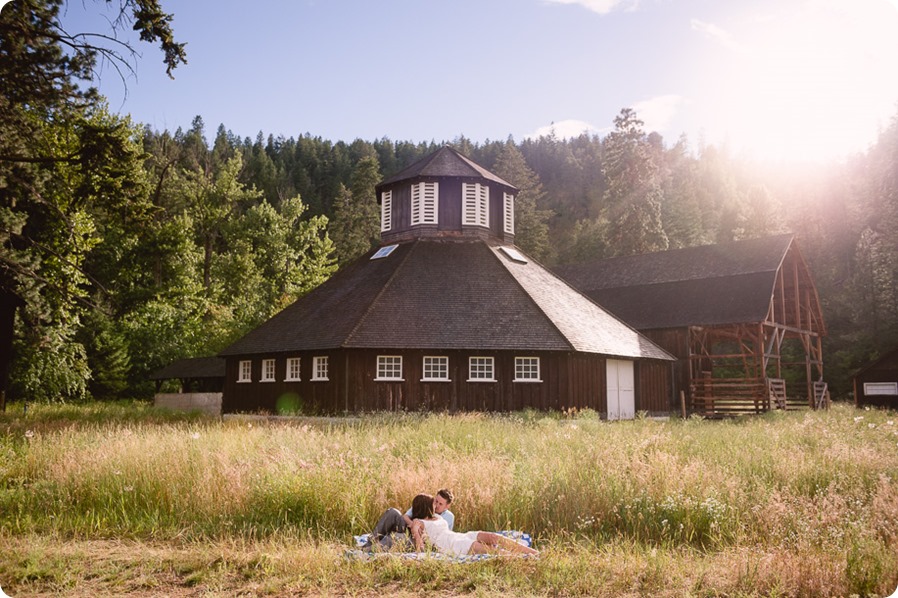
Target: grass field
[(114, 499)]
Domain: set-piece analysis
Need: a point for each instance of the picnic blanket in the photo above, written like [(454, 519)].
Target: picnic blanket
[(365, 555)]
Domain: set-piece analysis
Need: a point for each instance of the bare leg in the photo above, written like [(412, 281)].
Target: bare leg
[(490, 542)]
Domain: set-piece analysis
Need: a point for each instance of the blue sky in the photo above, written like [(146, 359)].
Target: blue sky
[(779, 79)]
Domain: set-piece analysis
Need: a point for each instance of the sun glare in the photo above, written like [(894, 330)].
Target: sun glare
[(813, 84)]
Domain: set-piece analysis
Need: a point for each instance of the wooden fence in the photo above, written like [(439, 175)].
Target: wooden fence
[(728, 397)]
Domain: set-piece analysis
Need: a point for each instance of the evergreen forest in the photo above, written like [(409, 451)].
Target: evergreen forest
[(125, 248)]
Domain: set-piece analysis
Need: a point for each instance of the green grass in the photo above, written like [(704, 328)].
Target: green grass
[(785, 504)]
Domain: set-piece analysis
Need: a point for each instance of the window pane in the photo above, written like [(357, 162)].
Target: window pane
[(293, 368), (268, 370), (526, 368), (389, 367), (436, 368), (320, 367), (245, 371), (480, 368)]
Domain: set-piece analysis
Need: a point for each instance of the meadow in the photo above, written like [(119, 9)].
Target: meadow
[(108, 499)]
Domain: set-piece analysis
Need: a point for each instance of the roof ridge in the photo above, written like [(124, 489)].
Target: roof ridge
[(530, 298), (380, 294), (505, 264), (691, 248)]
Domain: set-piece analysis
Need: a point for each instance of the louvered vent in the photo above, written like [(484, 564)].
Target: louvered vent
[(508, 203), (386, 211), (476, 204), (425, 202)]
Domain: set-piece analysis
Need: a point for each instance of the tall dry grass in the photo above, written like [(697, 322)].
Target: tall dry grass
[(823, 485)]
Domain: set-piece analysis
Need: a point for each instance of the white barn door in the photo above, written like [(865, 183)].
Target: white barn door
[(621, 389)]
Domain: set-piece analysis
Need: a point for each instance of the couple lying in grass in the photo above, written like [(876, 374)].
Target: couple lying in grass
[(429, 523)]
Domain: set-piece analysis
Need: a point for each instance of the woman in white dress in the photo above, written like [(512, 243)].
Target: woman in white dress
[(426, 525)]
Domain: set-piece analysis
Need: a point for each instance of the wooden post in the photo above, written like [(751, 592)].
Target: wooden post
[(683, 403)]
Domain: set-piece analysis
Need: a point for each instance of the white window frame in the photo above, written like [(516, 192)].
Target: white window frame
[(440, 363), (320, 368), (481, 365), (389, 367), (386, 211), (524, 370), (476, 204), (245, 371), (873, 389), (508, 204), (425, 203), (293, 370), (269, 369)]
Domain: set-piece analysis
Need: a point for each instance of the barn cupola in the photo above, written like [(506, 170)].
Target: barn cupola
[(446, 195)]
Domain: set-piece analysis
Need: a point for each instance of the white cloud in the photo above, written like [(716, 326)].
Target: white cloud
[(658, 112), (564, 129), (717, 34), (603, 7)]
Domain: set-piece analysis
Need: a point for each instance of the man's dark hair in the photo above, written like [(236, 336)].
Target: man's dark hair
[(447, 494)]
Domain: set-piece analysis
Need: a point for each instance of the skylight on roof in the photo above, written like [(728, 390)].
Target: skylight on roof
[(514, 254), (383, 252)]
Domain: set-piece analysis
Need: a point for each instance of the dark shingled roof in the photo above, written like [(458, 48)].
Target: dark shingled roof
[(445, 162), (445, 294), (727, 283), (194, 367)]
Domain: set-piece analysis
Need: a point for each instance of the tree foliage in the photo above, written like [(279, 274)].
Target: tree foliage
[(356, 223), (133, 247), (531, 222)]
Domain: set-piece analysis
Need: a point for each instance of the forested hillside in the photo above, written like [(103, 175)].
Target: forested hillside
[(223, 232), (132, 247)]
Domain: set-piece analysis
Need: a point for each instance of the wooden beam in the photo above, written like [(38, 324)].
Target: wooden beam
[(797, 299)]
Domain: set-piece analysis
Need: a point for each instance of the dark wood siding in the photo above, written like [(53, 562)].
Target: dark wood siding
[(884, 370), (676, 342), (449, 215), (569, 380), (653, 387), (312, 396)]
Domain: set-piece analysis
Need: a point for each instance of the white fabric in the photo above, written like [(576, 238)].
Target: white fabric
[(439, 534), (447, 515)]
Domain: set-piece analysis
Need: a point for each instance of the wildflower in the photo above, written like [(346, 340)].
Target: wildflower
[(29, 433), (871, 426), (128, 489), (195, 435), (890, 423), (858, 418)]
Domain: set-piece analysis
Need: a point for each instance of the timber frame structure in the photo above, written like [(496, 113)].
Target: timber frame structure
[(743, 319)]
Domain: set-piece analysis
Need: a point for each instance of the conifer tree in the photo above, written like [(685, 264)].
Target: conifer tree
[(61, 157), (356, 225), (531, 222), (632, 200)]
